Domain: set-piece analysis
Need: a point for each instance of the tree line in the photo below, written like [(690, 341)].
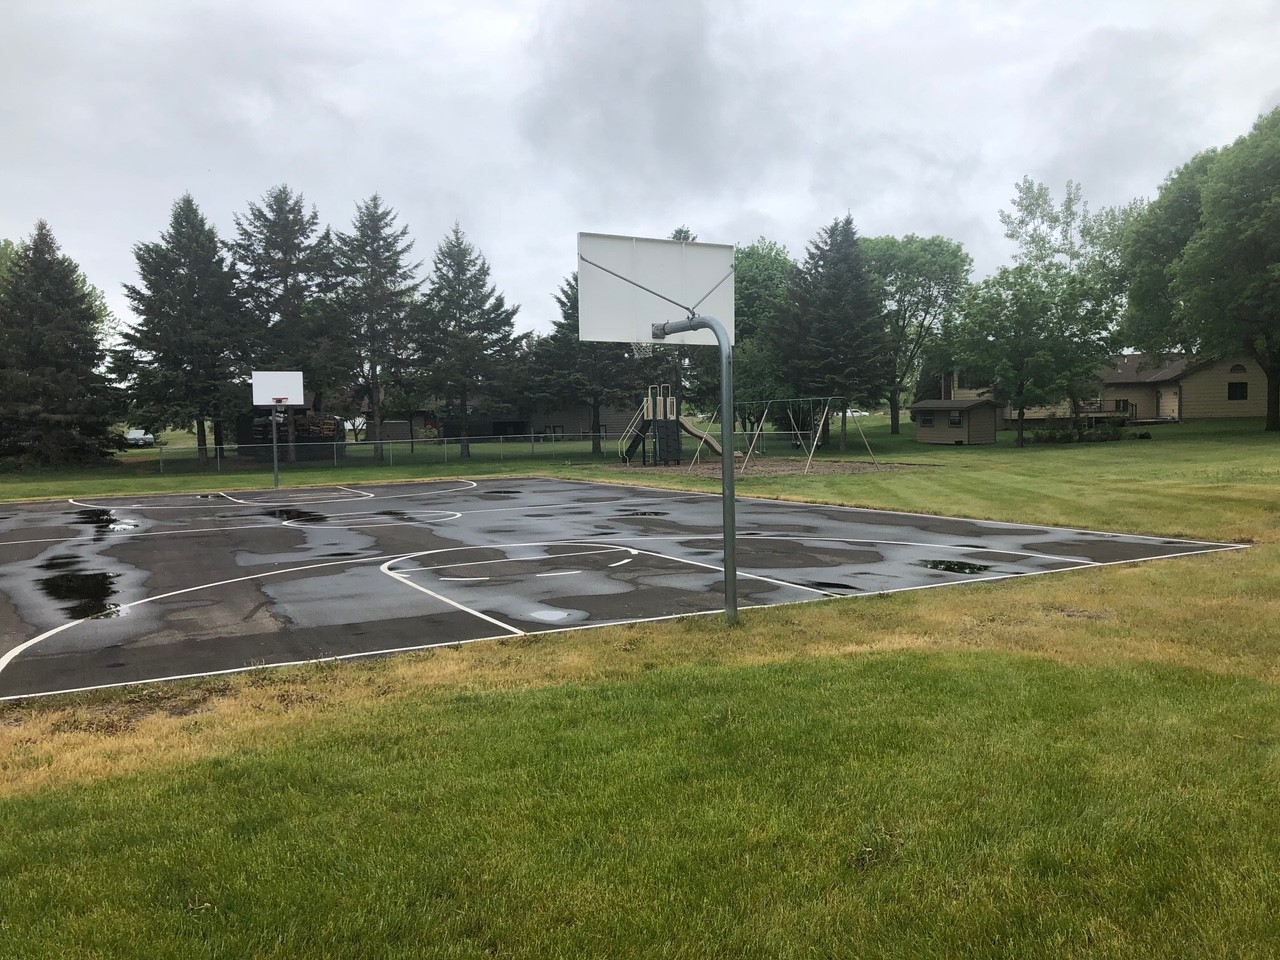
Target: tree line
[(875, 320)]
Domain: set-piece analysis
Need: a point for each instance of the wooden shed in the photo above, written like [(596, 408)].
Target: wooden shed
[(971, 420)]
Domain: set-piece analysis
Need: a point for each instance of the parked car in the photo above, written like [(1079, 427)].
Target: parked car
[(139, 438)]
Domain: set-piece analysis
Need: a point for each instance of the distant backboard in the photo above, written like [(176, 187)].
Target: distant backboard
[(697, 275), (270, 386)]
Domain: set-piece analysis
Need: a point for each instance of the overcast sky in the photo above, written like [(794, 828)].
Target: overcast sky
[(529, 120)]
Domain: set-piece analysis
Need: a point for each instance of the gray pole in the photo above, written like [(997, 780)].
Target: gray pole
[(275, 454), (660, 332)]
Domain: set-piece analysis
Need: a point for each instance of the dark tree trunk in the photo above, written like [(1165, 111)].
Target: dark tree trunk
[(1022, 419), (1273, 396), (374, 422), (595, 426), (291, 437), (202, 442), (464, 446), (895, 410)]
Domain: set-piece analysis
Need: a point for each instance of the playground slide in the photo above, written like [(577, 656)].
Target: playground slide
[(688, 427)]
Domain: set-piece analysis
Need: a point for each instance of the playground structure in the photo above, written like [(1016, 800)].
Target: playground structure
[(654, 433)]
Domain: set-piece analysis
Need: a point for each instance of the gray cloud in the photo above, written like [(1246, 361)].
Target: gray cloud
[(529, 120)]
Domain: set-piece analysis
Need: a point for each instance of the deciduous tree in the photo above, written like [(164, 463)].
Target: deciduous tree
[(919, 282), (1205, 258), (1009, 336)]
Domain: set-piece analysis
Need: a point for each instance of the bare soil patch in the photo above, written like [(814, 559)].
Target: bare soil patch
[(774, 467)]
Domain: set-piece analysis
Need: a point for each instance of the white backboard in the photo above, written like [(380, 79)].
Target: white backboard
[(697, 275), (270, 385)]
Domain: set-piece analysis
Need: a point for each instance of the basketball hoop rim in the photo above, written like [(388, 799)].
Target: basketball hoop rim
[(278, 401)]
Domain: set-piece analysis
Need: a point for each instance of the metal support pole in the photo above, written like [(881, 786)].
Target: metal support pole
[(660, 332), (275, 445)]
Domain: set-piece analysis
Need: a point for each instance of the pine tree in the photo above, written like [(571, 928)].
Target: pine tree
[(570, 371), (376, 298), (276, 259), (829, 339), (56, 406), (467, 339), (181, 359)]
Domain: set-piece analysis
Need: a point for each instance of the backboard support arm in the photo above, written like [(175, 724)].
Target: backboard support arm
[(661, 331)]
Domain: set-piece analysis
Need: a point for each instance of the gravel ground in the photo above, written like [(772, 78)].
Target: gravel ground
[(776, 467)]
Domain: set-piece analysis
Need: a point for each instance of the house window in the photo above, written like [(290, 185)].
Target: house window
[(1238, 391), (926, 419), (956, 419), (1238, 368)]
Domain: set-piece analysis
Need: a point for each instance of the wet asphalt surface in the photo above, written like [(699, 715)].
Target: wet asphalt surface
[(101, 592)]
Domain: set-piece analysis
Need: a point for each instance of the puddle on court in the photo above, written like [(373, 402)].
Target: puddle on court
[(81, 593), (103, 522), (296, 516), (645, 513), (953, 566)]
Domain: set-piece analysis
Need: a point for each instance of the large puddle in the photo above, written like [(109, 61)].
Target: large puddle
[(80, 592)]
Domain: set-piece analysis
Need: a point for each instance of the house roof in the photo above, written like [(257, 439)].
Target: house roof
[(966, 404), (1147, 368)]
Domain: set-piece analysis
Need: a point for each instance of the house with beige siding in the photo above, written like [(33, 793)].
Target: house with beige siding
[(1185, 388), (1139, 388)]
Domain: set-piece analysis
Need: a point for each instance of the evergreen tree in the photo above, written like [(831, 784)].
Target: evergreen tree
[(56, 406), (376, 299), (829, 339), (277, 261), (569, 370), (180, 361), (467, 338)]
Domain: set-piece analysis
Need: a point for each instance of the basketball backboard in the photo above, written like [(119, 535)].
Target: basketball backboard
[(269, 386), (693, 275)]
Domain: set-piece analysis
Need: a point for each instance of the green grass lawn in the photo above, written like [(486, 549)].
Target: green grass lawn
[(1083, 765)]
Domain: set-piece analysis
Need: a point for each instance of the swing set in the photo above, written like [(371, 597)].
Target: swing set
[(808, 418)]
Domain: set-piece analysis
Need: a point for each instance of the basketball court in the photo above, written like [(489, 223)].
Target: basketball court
[(104, 592)]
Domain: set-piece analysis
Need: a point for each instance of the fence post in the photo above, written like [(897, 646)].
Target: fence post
[(391, 454), (162, 459), (335, 453), (499, 449)]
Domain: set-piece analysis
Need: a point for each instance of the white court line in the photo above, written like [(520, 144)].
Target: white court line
[(589, 626), (361, 496), (558, 573), (403, 578), (20, 648)]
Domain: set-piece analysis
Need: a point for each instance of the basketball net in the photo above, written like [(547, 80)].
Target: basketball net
[(641, 349)]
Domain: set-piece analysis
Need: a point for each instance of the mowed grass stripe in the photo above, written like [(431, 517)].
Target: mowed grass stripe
[(875, 806)]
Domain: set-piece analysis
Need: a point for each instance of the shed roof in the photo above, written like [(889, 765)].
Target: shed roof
[(968, 403)]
